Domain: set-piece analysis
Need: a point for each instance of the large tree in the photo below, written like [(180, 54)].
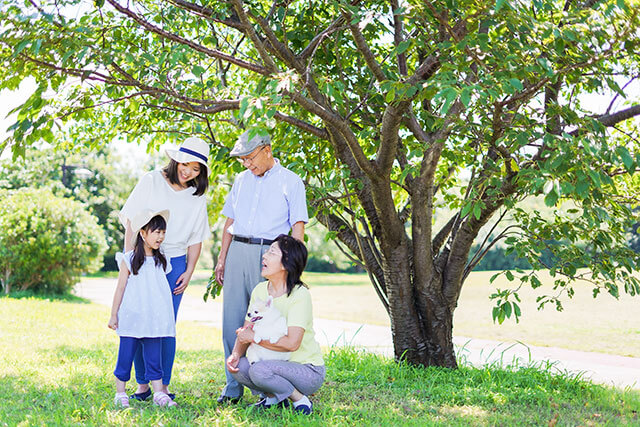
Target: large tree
[(395, 112)]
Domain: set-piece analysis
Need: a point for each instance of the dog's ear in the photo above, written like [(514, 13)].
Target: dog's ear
[(269, 301)]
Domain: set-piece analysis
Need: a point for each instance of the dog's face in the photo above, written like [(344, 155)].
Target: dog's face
[(259, 309)]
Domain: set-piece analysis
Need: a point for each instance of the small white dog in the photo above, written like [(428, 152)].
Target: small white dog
[(268, 324)]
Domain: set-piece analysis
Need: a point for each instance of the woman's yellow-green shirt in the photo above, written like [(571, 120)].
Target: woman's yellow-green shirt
[(297, 309)]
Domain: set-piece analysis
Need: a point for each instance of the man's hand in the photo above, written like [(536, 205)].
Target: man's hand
[(220, 273)]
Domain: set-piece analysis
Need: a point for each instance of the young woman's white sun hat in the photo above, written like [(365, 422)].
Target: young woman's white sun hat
[(193, 149)]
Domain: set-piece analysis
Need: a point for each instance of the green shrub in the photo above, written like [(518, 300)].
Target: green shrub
[(46, 242)]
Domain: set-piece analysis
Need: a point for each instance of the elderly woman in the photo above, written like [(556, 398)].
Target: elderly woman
[(303, 373)]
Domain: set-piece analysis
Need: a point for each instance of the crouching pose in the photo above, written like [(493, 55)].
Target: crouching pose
[(279, 381), (142, 310)]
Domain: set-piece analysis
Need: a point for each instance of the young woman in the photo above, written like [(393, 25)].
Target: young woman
[(179, 187), (304, 372)]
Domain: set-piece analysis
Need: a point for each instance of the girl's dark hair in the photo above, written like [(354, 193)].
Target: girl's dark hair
[(200, 182), (294, 259), (156, 223)]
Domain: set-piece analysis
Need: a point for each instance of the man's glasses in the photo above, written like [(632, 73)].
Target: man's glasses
[(245, 160)]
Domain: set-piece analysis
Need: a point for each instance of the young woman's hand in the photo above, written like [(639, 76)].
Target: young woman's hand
[(232, 363), (113, 322), (182, 283)]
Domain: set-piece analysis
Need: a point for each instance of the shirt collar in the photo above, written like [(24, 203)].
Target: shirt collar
[(275, 166)]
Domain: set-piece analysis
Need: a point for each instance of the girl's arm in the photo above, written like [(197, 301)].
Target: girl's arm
[(193, 253), (289, 342), (117, 296)]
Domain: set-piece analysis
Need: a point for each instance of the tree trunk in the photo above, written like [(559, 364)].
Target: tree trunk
[(420, 337)]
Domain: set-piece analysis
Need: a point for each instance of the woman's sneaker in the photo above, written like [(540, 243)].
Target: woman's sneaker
[(304, 408), (121, 400), (161, 399)]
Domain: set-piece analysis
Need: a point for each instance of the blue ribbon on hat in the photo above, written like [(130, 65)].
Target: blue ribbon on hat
[(193, 153)]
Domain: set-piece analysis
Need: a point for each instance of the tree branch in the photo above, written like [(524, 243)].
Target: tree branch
[(207, 13), (363, 47), (195, 46), (249, 31), (398, 37)]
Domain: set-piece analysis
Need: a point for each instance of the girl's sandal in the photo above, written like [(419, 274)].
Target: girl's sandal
[(121, 400), (161, 399)]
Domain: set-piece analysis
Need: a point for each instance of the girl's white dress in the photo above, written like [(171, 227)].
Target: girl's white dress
[(146, 310)]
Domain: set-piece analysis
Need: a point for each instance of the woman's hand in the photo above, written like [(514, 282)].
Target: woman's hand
[(182, 283), (113, 322), (245, 334), (232, 363)]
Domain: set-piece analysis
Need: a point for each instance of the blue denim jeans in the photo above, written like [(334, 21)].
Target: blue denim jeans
[(178, 266)]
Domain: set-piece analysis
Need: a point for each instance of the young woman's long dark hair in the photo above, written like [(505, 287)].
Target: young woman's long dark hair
[(200, 182), (294, 259), (156, 223)]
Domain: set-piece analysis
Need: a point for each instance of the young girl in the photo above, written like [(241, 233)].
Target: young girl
[(142, 311)]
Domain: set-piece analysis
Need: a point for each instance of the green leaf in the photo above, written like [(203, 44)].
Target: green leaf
[(622, 4), (197, 70), (506, 307), (466, 209), (626, 158), (20, 47), (391, 95), (402, 47), (477, 210), (465, 96), (499, 4), (551, 198), (516, 84)]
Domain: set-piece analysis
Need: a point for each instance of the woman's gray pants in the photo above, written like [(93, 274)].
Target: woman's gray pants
[(279, 377)]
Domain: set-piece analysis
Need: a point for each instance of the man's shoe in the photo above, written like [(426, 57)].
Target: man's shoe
[(261, 404), (228, 400), (282, 404)]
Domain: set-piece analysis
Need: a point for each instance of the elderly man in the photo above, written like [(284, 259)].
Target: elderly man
[(266, 200)]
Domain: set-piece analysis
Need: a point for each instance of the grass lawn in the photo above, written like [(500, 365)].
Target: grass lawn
[(57, 358), (602, 324)]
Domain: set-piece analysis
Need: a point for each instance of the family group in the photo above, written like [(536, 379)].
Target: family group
[(165, 220)]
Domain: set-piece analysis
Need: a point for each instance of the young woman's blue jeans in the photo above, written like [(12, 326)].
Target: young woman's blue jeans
[(178, 266)]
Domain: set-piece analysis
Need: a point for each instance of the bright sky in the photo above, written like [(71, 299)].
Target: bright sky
[(132, 154)]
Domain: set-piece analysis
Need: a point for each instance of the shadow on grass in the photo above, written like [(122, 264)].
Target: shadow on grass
[(73, 384), (68, 297)]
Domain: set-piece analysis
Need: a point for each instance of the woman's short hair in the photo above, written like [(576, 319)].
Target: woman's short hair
[(294, 259), (200, 182)]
